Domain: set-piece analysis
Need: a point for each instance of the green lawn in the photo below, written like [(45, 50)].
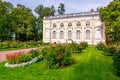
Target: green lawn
[(90, 65)]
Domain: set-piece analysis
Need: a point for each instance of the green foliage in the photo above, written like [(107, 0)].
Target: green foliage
[(34, 53), (5, 10), (23, 23), (74, 47), (101, 46), (61, 8), (110, 50), (20, 57), (116, 59), (84, 45), (42, 12), (111, 18), (57, 56), (18, 44)]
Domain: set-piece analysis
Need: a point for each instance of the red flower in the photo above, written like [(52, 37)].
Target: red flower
[(52, 47), (54, 42), (62, 54)]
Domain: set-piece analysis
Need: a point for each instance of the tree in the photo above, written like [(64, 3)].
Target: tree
[(61, 9), (5, 29), (43, 12), (92, 10), (110, 15), (23, 23), (53, 11)]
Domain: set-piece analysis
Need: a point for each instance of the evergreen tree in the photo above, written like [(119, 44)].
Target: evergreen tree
[(61, 9)]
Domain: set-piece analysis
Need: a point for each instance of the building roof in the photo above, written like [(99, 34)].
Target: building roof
[(82, 14)]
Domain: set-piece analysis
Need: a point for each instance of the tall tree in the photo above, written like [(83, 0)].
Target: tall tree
[(5, 10), (23, 22), (61, 8), (43, 11), (110, 15), (53, 11)]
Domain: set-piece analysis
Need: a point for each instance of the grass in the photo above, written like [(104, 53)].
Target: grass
[(90, 65)]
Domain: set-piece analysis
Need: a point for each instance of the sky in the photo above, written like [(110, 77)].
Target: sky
[(71, 6)]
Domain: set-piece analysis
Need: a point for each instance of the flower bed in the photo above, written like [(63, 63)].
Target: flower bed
[(20, 59)]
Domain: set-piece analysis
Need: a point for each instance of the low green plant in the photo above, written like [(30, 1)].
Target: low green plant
[(116, 59), (110, 50), (101, 46), (74, 47), (83, 45)]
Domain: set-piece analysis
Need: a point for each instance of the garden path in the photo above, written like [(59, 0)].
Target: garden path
[(3, 53)]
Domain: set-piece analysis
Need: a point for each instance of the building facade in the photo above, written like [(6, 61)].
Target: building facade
[(77, 27)]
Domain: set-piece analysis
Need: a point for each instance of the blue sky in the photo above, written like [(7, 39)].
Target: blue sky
[(71, 6)]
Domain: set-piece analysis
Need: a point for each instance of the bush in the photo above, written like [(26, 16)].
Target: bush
[(116, 59), (110, 50), (57, 56), (101, 46), (84, 45), (34, 53), (20, 57), (17, 44)]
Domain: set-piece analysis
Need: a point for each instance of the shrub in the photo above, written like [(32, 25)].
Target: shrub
[(57, 56), (74, 47), (116, 59), (34, 53), (20, 57), (101, 46), (83, 45), (110, 50)]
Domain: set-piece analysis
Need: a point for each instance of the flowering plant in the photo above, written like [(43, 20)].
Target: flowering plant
[(19, 57), (57, 56)]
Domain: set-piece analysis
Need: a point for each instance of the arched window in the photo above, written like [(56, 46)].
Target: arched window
[(54, 25), (47, 35), (88, 23), (61, 35), (61, 25), (69, 24), (78, 34), (69, 35), (99, 33), (88, 34), (78, 23), (54, 34)]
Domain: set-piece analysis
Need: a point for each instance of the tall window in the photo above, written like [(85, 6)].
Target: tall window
[(69, 35), (88, 34), (88, 23), (61, 35), (78, 34), (47, 35), (54, 34), (78, 23), (61, 25), (69, 24), (54, 25)]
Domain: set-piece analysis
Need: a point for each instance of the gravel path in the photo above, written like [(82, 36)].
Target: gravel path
[(3, 53)]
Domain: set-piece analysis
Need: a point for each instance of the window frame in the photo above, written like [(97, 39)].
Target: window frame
[(78, 34), (87, 23), (62, 35), (54, 35), (87, 35)]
